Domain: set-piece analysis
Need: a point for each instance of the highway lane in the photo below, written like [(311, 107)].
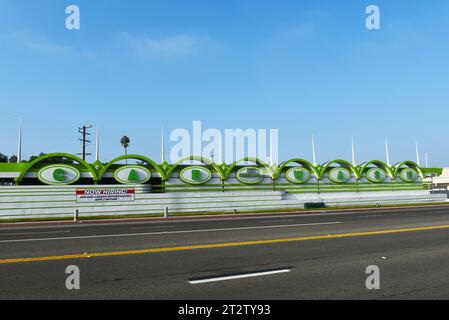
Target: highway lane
[(413, 264), (80, 238)]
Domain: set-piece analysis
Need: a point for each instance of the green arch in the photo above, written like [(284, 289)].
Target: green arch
[(342, 163), (379, 164), (249, 159), (133, 157), (53, 155), (409, 164), (309, 166), (204, 160)]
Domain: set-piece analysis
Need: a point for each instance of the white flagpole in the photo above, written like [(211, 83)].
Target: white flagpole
[(353, 151), (418, 162), (97, 144), (162, 146), (314, 151), (19, 144), (387, 152), (219, 152)]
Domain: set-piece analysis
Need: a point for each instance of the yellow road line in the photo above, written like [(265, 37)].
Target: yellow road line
[(217, 245)]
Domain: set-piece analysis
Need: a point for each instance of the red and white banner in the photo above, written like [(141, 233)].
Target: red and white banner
[(105, 195)]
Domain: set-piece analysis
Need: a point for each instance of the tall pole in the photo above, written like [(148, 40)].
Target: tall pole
[(387, 155), (387, 152), (84, 140), (354, 163), (353, 151), (19, 144), (314, 151), (418, 162), (427, 159), (315, 162), (162, 146), (272, 162), (97, 145), (219, 151), (84, 143)]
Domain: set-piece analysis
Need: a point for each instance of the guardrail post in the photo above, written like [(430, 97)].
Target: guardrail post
[(165, 212), (75, 215)]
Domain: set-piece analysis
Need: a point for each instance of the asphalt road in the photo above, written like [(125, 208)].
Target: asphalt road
[(318, 256)]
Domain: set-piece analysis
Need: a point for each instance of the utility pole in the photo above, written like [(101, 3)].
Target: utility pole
[(84, 140)]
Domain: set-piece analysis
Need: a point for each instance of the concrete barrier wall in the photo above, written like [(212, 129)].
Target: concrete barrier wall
[(369, 198), (21, 202)]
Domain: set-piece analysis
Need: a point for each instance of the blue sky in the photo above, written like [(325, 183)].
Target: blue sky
[(304, 67)]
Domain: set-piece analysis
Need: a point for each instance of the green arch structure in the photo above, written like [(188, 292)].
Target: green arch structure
[(54, 155), (249, 159), (132, 157), (342, 163), (380, 164), (223, 170), (409, 164), (306, 164), (203, 160)]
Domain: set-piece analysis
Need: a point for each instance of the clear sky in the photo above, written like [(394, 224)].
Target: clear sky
[(303, 67)]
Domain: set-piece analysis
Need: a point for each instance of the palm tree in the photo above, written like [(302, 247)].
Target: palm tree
[(124, 141)]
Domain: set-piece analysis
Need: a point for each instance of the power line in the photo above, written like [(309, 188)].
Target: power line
[(41, 117)]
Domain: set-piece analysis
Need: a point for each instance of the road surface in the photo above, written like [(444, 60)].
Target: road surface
[(317, 256)]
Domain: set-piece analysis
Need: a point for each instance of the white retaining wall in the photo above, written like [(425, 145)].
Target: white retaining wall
[(21, 202), (369, 198)]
